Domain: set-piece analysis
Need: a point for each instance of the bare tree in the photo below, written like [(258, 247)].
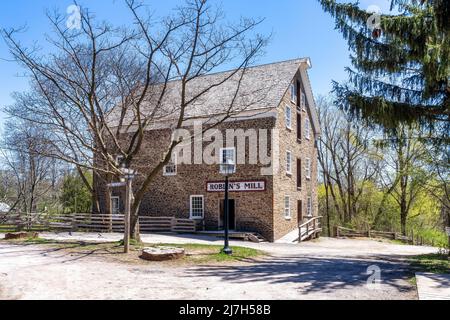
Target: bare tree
[(405, 173), (103, 87), (347, 160), (32, 171)]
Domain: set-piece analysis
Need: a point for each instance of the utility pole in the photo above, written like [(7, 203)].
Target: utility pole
[(126, 239), (126, 181), (129, 175)]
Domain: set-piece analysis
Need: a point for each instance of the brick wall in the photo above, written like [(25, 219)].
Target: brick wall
[(286, 184), (261, 212)]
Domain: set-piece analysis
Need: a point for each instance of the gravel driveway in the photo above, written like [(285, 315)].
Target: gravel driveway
[(323, 269)]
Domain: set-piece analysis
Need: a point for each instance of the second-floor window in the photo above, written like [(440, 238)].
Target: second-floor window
[(288, 162), (299, 126), (227, 154), (308, 168), (288, 114), (307, 129), (170, 169)]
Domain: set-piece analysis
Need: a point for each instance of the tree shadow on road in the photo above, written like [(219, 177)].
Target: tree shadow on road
[(313, 274)]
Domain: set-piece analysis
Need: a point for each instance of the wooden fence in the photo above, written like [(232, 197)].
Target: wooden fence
[(346, 232), (91, 222)]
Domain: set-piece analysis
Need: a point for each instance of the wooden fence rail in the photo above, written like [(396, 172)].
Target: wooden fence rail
[(346, 232), (91, 222)]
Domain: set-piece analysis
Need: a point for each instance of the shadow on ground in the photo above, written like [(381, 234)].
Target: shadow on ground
[(316, 274)]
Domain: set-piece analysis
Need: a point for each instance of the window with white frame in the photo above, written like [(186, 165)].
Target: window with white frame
[(293, 93), (170, 169), (288, 114), (287, 207), (307, 129), (115, 205), (303, 100), (308, 168), (227, 154), (309, 207), (288, 162), (196, 207)]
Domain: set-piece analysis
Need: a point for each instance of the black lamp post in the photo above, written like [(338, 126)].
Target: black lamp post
[(227, 168)]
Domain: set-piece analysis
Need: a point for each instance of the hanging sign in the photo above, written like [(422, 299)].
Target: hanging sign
[(237, 186), (116, 184)]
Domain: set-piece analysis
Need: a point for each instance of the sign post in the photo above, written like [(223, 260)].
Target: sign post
[(126, 181), (129, 174), (126, 239)]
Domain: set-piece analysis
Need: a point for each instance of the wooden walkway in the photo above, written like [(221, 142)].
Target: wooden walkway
[(431, 286)]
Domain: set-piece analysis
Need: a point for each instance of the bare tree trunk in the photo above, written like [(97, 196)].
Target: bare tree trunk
[(327, 209)]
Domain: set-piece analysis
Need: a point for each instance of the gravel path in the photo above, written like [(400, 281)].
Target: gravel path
[(324, 269)]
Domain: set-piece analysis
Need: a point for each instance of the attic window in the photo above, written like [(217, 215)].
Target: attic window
[(299, 89), (307, 129), (294, 93), (303, 101), (288, 114)]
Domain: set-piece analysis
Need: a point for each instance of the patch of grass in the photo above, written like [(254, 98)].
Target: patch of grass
[(434, 263), (195, 253), (133, 242), (204, 253), (38, 241), (413, 281)]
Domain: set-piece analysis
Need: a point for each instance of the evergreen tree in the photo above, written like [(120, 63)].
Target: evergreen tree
[(400, 62), (75, 196)]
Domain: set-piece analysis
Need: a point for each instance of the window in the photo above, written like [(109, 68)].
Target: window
[(299, 126), (115, 205), (303, 101), (309, 208), (299, 173), (293, 93), (170, 169), (119, 159), (298, 98), (288, 162), (196, 207), (287, 207), (308, 169), (307, 129), (227, 154), (288, 117)]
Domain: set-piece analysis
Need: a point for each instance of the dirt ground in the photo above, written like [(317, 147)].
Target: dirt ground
[(323, 269)]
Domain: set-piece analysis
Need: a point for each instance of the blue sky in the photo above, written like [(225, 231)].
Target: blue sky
[(300, 28)]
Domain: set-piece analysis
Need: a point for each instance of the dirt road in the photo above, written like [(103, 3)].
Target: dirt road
[(326, 269)]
